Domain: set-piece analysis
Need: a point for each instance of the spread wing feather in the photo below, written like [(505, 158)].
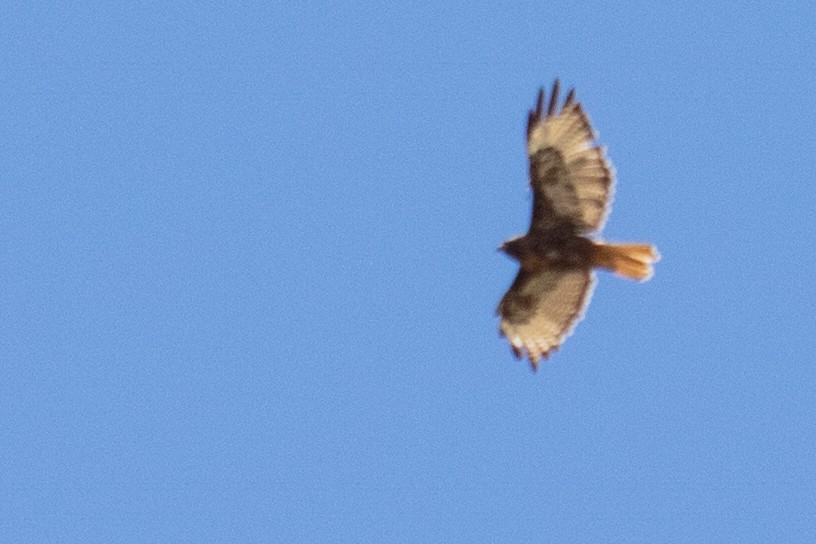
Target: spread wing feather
[(541, 308), (572, 179)]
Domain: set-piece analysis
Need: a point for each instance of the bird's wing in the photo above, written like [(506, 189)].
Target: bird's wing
[(572, 179), (541, 308)]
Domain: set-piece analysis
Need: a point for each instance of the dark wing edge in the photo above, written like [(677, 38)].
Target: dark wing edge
[(536, 115), (542, 308), (572, 180)]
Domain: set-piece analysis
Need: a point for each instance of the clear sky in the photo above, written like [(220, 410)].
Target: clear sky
[(248, 274)]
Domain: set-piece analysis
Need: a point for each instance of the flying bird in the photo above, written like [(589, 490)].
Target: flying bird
[(572, 183)]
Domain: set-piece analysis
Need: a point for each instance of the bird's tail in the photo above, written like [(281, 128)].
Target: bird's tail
[(633, 261)]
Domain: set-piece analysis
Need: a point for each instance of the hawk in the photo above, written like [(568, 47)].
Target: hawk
[(572, 183)]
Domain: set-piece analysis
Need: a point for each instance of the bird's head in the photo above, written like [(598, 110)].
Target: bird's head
[(513, 247)]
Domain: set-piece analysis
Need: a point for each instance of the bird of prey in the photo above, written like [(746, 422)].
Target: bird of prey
[(572, 183)]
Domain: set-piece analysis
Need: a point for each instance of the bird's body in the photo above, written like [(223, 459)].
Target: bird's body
[(572, 184), (542, 251)]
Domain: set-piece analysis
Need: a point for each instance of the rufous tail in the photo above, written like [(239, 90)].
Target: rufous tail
[(633, 261)]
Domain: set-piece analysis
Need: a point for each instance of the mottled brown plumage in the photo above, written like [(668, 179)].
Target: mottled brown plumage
[(572, 184)]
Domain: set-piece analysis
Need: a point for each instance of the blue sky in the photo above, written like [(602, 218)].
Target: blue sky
[(248, 275)]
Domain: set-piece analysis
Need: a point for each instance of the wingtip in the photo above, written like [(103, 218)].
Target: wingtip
[(552, 104), (570, 100), (553, 98)]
